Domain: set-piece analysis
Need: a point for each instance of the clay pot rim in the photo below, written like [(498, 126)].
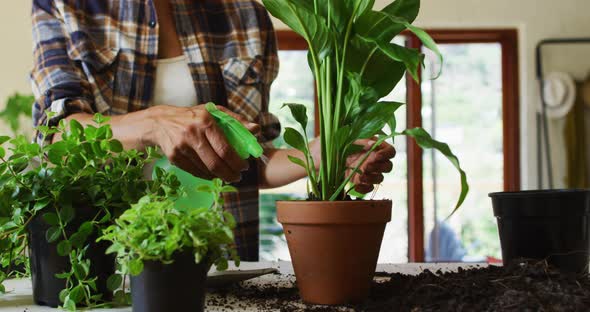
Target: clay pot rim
[(334, 212), (335, 201)]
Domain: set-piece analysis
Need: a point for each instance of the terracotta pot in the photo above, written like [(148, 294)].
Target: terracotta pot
[(334, 246)]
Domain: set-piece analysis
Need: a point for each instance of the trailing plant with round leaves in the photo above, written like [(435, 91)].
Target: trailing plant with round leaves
[(154, 230), (355, 64), (87, 169)]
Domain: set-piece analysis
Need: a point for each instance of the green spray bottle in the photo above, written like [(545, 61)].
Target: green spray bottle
[(245, 144)]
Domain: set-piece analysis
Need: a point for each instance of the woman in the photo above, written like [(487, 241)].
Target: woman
[(151, 64)]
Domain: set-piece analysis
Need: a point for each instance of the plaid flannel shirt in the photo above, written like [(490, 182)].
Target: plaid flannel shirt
[(100, 56)]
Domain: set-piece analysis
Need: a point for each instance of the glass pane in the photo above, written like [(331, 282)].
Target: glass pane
[(294, 84), (463, 108)]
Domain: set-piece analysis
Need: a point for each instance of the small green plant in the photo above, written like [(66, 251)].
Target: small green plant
[(17, 105), (154, 230), (86, 168), (355, 64)]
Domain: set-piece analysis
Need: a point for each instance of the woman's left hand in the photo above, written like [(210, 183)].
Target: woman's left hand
[(371, 172)]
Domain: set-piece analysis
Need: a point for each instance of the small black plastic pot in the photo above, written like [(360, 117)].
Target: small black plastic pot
[(550, 225), (46, 262), (178, 286)]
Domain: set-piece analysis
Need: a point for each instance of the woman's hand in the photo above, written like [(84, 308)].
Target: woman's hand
[(378, 162), (191, 140)]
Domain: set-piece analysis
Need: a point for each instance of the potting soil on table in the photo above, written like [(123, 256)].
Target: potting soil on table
[(517, 287)]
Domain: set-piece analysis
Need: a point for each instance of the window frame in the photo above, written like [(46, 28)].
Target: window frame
[(508, 40)]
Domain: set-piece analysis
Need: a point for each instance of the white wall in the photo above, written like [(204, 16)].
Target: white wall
[(535, 20), (15, 50)]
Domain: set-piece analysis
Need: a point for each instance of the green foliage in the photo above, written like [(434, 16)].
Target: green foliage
[(354, 64), (17, 105), (154, 230), (85, 179)]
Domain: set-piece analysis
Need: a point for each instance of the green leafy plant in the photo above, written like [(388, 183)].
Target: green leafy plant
[(17, 105), (154, 230), (355, 64), (86, 170)]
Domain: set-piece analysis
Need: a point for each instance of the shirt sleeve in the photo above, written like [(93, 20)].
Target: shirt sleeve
[(58, 84), (271, 127)]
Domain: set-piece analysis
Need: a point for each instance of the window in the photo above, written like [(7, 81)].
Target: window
[(473, 106)]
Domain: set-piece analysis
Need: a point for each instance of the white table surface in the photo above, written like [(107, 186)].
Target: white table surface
[(19, 296)]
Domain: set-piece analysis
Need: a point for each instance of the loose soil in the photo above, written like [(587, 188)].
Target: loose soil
[(524, 286)]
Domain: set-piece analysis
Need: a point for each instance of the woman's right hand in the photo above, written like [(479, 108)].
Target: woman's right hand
[(191, 139)]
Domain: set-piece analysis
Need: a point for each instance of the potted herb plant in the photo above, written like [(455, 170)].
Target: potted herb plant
[(334, 241), (57, 199), (168, 251)]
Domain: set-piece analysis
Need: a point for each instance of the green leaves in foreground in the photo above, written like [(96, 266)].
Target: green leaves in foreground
[(154, 230), (78, 185), (425, 141)]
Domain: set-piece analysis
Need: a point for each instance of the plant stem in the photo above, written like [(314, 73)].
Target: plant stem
[(359, 164), (340, 101)]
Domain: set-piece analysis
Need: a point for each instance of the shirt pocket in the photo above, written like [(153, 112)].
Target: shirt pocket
[(242, 77), (99, 66)]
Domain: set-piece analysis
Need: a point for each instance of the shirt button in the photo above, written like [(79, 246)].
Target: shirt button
[(152, 24)]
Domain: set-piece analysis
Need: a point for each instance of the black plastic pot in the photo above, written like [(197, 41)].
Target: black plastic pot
[(178, 286), (46, 262), (547, 224)]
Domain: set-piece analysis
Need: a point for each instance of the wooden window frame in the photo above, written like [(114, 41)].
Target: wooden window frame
[(508, 40)]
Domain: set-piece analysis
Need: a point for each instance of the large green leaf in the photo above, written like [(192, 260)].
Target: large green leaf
[(373, 119), (426, 40), (300, 17), (379, 72), (412, 58), (374, 24), (295, 139), (341, 12), (407, 9), (299, 112), (424, 140)]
